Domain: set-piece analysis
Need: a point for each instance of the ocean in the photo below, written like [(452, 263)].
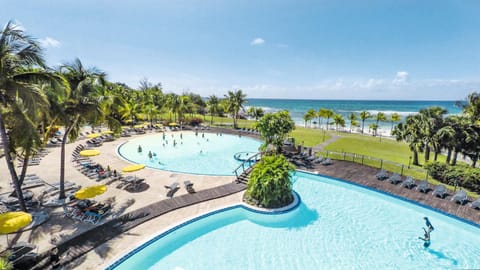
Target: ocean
[(298, 107)]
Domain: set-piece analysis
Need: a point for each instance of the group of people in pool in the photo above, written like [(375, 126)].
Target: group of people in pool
[(427, 231)]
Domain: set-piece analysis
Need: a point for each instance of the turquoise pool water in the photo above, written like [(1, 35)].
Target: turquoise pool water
[(204, 153), (337, 226)]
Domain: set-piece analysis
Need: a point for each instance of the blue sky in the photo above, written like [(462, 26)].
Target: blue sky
[(270, 49)]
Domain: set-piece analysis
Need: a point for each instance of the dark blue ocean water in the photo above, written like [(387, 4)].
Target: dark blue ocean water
[(298, 107)]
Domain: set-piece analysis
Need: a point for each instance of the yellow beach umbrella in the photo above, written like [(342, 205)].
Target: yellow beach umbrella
[(90, 192), (94, 135), (173, 124), (138, 126), (158, 125), (133, 168), (89, 153), (107, 132), (14, 221)]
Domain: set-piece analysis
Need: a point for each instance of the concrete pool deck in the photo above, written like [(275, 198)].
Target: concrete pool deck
[(100, 257)]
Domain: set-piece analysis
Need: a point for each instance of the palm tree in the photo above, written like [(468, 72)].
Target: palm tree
[(364, 115), (78, 106), (432, 119), (353, 120), (394, 118), (411, 132), (235, 101), (172, 103), (446, 139), (255, 112), (213, 106), (328, 114), (380, 117), (338, 120), (21, 65), (309, 115)]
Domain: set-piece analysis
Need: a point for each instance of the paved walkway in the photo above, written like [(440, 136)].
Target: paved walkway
[(87, 241), (319, 147)]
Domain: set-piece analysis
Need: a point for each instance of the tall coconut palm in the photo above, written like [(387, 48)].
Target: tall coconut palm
[(172, 103), (446, 140), (432, 121), (235, 102), (411, 132), (353, 120), (364, 115), (19, 54), (309, 115), (213, 106), (394, 118), (379, 117), (338, 120), (78, 106)]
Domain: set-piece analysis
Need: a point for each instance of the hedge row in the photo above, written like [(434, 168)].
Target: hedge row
[(460, 175)]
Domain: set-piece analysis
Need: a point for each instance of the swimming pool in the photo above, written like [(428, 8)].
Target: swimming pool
[(189, 152), (337, 226)]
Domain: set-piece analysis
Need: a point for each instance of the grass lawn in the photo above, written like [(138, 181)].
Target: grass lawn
[(309, 137)]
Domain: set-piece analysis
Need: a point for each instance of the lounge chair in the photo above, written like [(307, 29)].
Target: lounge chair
[(460, 197), (409, 182), (423, 186), (172, 188), (189, 186), (327, 162), (440, 191), (395, 178), (381, 175), (476, 204)]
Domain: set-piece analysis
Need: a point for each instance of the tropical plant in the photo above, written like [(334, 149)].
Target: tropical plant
[(21, 67), (353, 120), (338, 120), (431, 122), (364, 115), (5, 264), (213, 104), (379, 117), (411, 132), (274, 128), (235, 100), (255, 112), (394, 118), (309, 115), (78, 106), (269, 182)]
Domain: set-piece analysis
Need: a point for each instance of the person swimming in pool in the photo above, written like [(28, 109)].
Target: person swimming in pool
[(426, 238), (428, 224)]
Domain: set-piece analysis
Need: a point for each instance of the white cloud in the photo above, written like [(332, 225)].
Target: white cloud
[(257, 41), (400, 78), (49, 42)]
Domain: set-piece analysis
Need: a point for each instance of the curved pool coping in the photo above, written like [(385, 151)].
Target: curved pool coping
[(247, 207), (294, 205), (173, 171)]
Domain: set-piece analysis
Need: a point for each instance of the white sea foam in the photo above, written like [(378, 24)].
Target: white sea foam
[(374, 112)]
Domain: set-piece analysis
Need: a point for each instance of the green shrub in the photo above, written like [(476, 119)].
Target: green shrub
[(461, 175), (269, 185)]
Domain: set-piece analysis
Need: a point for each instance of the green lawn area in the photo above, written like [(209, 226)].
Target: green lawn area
[(309, 137)]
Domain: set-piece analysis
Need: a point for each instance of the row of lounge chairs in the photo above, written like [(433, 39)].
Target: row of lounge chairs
[(174, 187), (439, 191), (34, 159)]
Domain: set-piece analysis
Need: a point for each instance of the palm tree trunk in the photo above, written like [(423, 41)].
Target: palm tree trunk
[(474, 160), (415, 158), (427, 153), (11, 167), (435, 155), (449, 155), (211, 119), (61, 194), (454, 160), (363, 124)]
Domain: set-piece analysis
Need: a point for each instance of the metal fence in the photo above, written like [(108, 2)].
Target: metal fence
[(402, 169)]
